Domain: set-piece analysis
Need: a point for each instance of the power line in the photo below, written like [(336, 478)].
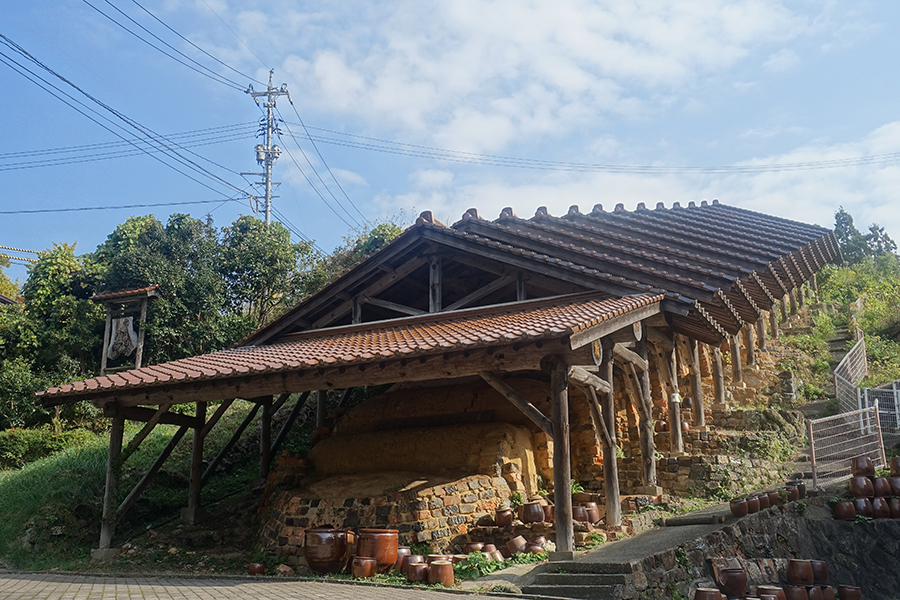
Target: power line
[(19, 249), (116, 207)]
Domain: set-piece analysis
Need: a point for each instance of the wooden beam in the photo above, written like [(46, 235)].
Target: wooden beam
[(660, 339), (751, 345), (265, 439), (675, 423), (737, 372), (627, 355), (562, 462), (108, 519), (597, 417), (610, 460), (137, 413), (718, 375), (435, 283), (144, 432), (582, 377), (648, 444), (761, 334), (400, 308), (220, 412), (194, 513), (481, 293), (521, 292), (519, 401), (773, 321), (138, 489), (139, 351), (699, 416), (289, 423), (356, 311), (230, 443), (611, 325)]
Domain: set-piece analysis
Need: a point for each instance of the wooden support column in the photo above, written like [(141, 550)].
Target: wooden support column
[(106, 334), (784, 309), (793, 296), (562, 466), (193, 514), (139, 352), (610, 460), (751, 346), (265, 438), (520, 287), (645, 425), (434, 284), (718, 375), (761, 333), (675, 428), (801, 297), (773, 321), (815, 288), (699, 416), (356, 311), (108, 520), (737, 373)]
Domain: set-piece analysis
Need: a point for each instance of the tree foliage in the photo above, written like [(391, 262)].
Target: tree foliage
[(857, 247), (7, 286)]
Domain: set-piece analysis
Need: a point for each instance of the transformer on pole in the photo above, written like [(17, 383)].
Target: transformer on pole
[(268, 153)]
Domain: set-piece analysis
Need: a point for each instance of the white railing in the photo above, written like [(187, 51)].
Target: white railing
[(852, 369), (833, 441)]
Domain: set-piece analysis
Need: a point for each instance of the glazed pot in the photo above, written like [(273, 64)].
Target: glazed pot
[(738, 507), (814, 593), (593, 513), (861, 487), (417, 573), (504, 518), (401, 552), (661, 426), (793, 494), (380, 544), (774, 498), (827, 592), (516, 545), (770, 590), (471, 547), (733, 582), (458, 558), (795, 592), (863, 507), (539, 540), (862, 466), (707, 594), (894, 482), (844, 511), (799, 572), (880, 508), (579, 513), (326, 550), (549, 513), (256, 569), (489, 549), (532, 512), (763, 501), (363, 567), (433, 557), (752, 505), (497, 555), (881, 486), (894, 505), (801, 487), (820, 572), (441, 571), (532, 548), (685, 428), (849, 592), (410, 559), (895, 466)]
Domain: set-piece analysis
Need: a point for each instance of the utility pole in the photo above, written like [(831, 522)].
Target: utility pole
[(268, 153)]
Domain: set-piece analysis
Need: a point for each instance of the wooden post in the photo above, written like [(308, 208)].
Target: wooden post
[(737, 373), (793, 296), (434, 284), (751, 346), (108, 520), (801, 297), (356, 311), (815, 288), (520, 287), (773, 321), (761, 333), (645, 425), (718, 375), (321, 408), (675, 419), (562, 468), (610, 461), (106, 334), (139, 352), (265, 438), (699, 411), (193, 514), (784, 310)]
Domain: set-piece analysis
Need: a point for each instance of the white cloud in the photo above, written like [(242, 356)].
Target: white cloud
[(783, 60), (345, 176), (431, 178)]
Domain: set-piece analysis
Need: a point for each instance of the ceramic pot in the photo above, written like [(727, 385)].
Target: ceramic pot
[(593, 511), (707, 594), (770, 590), (417, 573), (579, 513), (827, 592), (433, 557), (738, 507), (895, 466), (844, 511), (489, 549), (539, 540), (768, 597), (880, 508), (532, 548), (882, 487), (774, 498), (661, 426), (861, 487), (532, 512), (549, 513), (752, 505), (441, 571), (458, 558), (685, 428), (862, 466), (498, 556), (799, 572), (814, 593), (733, 582), (410, 559), (795, 592), (380, 544), (504, 518), (894, 482), (326, 550), (256, 569), (363, 566), (516, 545), (863, 507), (763, 501), (401, 552), (793, 494), (849, 592), (471, 547), (820, 572), (894, 504)]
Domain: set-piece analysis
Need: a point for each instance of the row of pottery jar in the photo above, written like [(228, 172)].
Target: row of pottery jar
[(876, 508), (537, 512), (434, 568), (662, 426), (330, 550), (793, 490)]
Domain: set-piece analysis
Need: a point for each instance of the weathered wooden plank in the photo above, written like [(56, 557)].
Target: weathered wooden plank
[(611, 325), (220, 412), (562, 462), (645, 426), (610, 461), (737, 372), (108, 518), (582, 377), (137, 413), (435, 283), (144, 432), (718, 375), (519, 401), (400, 308), (481, 292), (699, 416), (627, 355)]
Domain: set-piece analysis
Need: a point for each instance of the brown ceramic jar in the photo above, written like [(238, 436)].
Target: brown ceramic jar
[(489, 548), (814, 593), (861, 487), (799, 572), (256, 569), (516, 545), (774, 498), (894, 505), (849, 592), (844, 511), (417, 573), (549, 513), (795, 592), (895, 466), (707, 594), (880, 508), (532, 512), (827, 592), (325, 550), (593, 513), (763, 501), (411, 559), (733, 582), (363, 567), (820, 572), (863, 507), (380, 544), (862, 466), (881, 487), (441, 571), (770, 590), (504, 518), (579, 513), (752, 505), (738, 507), (402, 551), (894, 482), (471, 547)]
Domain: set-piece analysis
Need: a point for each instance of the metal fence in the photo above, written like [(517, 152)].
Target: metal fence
[(852, 369), (833, 441)]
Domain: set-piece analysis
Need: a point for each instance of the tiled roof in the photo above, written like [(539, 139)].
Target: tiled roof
[(7, 300), (363, 343), (150, 291)]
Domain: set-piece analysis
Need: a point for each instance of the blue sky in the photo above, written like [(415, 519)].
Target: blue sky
[(667, 85)]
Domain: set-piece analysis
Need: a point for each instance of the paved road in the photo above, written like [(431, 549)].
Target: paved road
[(43, 586)]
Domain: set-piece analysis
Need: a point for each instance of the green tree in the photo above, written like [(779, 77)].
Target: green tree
[(7, 286), (856, 247)]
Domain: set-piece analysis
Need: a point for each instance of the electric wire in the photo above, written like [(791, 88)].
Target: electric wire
[(19, 258), (14, 249), (35, 211), (203, 70)]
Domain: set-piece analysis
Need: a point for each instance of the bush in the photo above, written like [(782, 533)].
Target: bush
[(19, 447)]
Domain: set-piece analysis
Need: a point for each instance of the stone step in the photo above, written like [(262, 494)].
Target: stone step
[(603, 568), (580, 579), (586, 592)]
